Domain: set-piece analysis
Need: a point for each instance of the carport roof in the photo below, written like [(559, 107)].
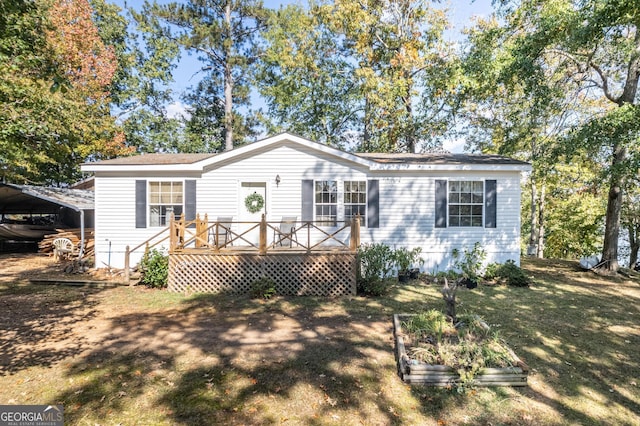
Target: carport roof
[(19, 199)]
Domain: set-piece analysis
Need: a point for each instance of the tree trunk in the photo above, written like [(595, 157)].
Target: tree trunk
[(609, 261), (533, 235), (228, 82), (634, 243), (541, 207), (410, 131), (366, 137)]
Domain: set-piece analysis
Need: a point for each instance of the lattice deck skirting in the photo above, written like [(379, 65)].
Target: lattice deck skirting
[(318, 274)]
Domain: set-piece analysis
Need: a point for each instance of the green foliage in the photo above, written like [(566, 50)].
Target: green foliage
[(466, 348), (372, 74), (154, 267), (264, 288), (405, 258), (431, 322), (223, 34), (469, 262), (508, 273), (306, 77), (546, 42), (375, 287), (54, 113), (375, 265), (376, 261)]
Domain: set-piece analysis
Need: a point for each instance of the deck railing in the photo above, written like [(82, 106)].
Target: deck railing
[(202, 234), (307, 235)]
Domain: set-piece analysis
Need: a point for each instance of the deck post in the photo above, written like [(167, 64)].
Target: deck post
[(355, 233), (206, 230), (262, 248), (127, 270), (181, 226), (173, 234), (198, 240)]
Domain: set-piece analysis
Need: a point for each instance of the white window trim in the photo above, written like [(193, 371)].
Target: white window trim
[(163, 180), (340, 204), (483, 202)]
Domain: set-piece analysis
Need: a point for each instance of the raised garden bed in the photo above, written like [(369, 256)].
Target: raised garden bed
[(413, 371)]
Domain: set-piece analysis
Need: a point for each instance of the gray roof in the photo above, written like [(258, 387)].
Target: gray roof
[(383, 158), (438, 158), (163, 159), (38, 199)]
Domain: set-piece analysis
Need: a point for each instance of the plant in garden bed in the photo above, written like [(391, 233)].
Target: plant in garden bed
[(467, 348)]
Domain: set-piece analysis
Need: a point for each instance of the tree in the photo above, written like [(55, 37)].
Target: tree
[(403, 69), (596, 46), (529, 116), (139, 91), (631, 221), (306, 77), (54, 103), (222, 33)]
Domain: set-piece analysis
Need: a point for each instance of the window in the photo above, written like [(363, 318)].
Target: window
[(466, 201), (355, 200), (326, 192), (164, 198)]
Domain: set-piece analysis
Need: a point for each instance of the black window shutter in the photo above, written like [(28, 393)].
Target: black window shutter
[(373, 204), (307, 200), (490, 196), (190, 199), (141, 204), (441, 203)]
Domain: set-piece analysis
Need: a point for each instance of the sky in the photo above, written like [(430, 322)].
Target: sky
[(461, 14)]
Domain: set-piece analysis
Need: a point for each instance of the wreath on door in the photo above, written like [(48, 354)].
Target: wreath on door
[(254, 202)]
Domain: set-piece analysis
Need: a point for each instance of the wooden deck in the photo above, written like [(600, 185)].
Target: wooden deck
[(307, 259)]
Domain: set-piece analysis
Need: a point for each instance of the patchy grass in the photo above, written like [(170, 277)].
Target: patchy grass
[(139, 356)]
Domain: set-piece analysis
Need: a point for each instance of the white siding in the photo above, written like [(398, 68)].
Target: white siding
[(407, 218), (407, 201), (115, 220)]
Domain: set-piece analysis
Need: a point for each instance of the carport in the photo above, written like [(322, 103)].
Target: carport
[(72, 207)]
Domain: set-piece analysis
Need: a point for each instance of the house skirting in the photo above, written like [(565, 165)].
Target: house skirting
[(294, 273)]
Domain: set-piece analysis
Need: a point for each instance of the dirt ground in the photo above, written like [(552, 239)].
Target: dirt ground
[(83, 317), (129, 337), (21, 267), (136, 356)]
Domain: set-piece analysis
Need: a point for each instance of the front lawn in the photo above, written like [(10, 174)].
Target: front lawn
[(138, 356)]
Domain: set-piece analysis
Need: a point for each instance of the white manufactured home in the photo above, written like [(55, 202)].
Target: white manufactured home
[(438, 202)]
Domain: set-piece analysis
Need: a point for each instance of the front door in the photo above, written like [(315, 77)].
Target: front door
[(253, 204)]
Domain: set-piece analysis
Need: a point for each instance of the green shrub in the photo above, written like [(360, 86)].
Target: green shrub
[(154, 268), (508, 273), (263, 288), (376, 261), (405, 258), (469, 263), (375, 264), (375, 287)]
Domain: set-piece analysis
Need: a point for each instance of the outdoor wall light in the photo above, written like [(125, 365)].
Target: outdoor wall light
[(277, 180)]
